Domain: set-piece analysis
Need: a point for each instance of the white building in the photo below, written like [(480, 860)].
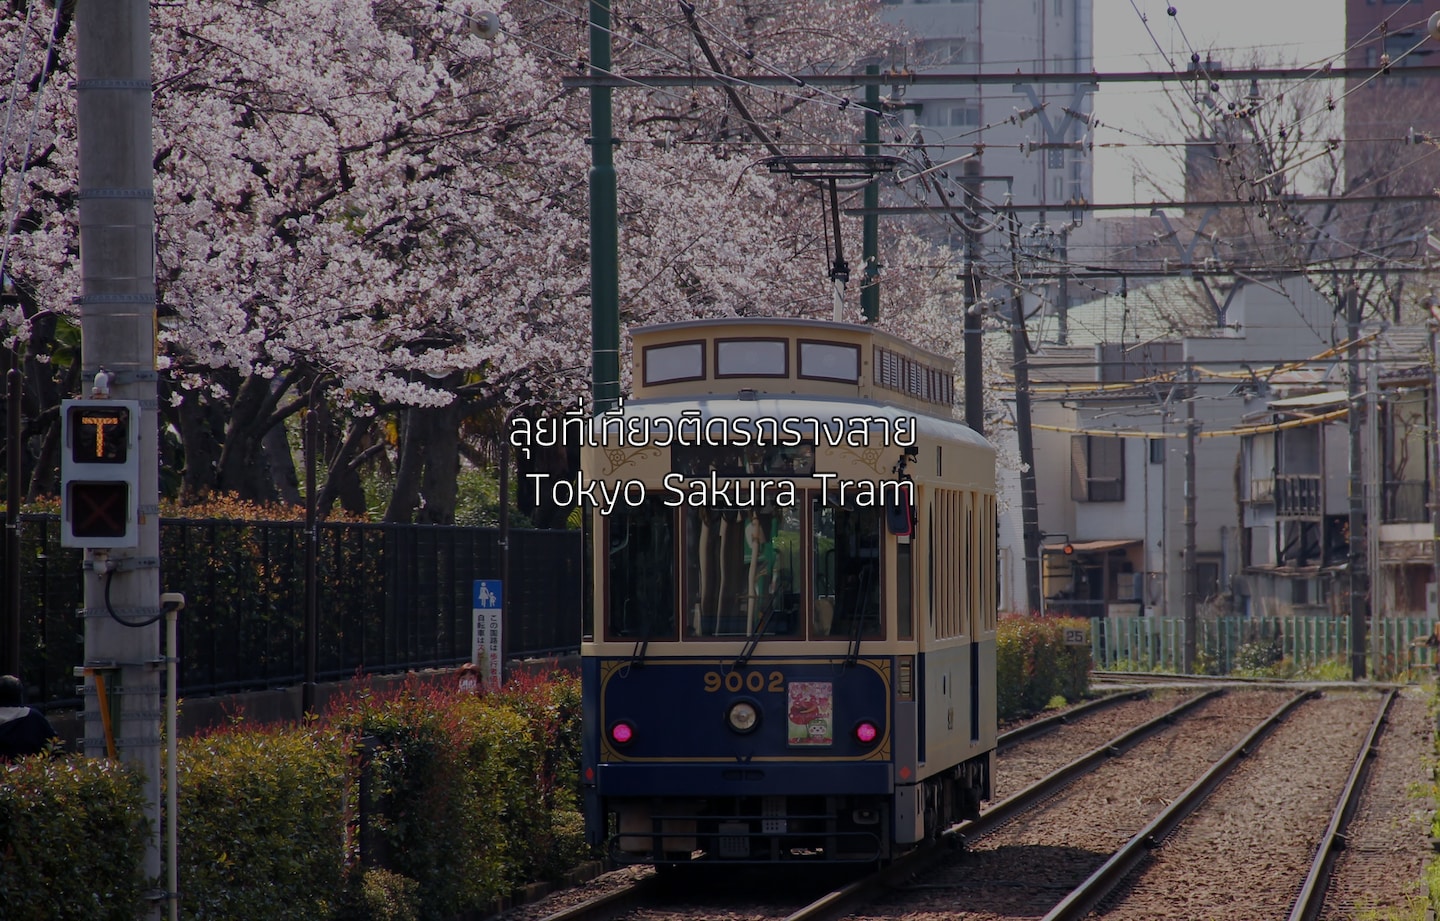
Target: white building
[(1110, 448), (1003, 36)]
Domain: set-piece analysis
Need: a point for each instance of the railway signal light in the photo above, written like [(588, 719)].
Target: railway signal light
[(99, 473)]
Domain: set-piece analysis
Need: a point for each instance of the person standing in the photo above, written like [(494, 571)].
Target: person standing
[(23, 730)]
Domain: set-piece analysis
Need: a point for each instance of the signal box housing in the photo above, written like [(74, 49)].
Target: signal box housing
[(99, 473)]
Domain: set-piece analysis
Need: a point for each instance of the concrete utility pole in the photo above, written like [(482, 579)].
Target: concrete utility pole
[(10, 660), (974, 374), (1359, 574), (1192, 428), (1029, 496), (117, 321)]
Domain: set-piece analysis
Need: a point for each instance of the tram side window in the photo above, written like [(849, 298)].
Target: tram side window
[(641, 571), (847, 571), (741, 571)]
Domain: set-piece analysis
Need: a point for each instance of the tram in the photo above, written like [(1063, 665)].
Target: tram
[(790, 655)]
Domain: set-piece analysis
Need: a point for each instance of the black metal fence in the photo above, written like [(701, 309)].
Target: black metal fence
[(390, 598)]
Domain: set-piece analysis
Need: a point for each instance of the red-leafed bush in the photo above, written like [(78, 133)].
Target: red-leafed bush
[(1034, 666)]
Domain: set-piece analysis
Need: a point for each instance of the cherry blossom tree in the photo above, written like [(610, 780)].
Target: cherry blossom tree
[(365, 208)]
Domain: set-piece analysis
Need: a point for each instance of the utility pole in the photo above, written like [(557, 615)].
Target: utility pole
[(1029, 497), (1191, 429), (10, 661), (1062, 294), (870, 247), (974, 376), (1359, 576), (604, 231), (1433, 493), (117, 321)]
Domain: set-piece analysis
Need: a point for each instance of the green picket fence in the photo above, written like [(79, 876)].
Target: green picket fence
[(1395, 648)]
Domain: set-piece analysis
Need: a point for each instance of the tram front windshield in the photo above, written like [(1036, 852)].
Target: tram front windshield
[(803, 569)]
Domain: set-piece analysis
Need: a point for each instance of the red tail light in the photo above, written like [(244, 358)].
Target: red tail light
[(621, 733), (866, 733)]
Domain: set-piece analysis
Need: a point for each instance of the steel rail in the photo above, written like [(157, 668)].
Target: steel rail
[(1088, 894), (1181, 679), (1041, 726), (1312, 894), (842, 901), (1047, 786), (610, 904)]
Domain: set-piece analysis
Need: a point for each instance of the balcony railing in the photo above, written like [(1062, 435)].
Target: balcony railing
[(1298, 496), (1405, 501)]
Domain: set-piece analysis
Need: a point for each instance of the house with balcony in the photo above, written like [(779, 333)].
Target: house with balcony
[(1111, 439), (1295, 505), (1295, 477)]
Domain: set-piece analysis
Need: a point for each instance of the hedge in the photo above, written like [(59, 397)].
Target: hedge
[(72, 835), (1034, 666), (262, 823), (472, 797)]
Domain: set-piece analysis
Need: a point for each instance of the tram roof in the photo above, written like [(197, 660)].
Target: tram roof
[(693, 358)]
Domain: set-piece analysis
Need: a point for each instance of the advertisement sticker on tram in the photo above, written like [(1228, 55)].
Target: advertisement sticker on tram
[(811, 713)]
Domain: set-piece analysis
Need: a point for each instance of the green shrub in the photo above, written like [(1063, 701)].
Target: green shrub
[(455, 781), (262, 823), (1329, 670), (1033, 664), (1255, 659), (381, 895), (424, 820), (472, 796), (72, 838)]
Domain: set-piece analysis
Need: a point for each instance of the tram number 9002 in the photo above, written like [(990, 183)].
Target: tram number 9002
[(754, 682)]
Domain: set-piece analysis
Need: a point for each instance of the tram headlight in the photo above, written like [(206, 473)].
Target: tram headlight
[(743, 716), (622, 733), (866, 732)]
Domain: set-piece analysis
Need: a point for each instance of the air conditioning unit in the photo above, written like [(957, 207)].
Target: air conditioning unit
[(1129, 586)]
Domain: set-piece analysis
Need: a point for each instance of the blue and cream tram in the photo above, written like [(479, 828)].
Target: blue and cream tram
[(791, 653)]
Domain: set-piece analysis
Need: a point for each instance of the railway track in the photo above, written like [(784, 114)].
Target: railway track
[(939, 875)]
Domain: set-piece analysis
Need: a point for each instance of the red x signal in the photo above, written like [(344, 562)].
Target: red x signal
[(99, 509)]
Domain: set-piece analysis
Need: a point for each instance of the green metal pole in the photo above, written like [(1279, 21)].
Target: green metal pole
[(870, 283), (604, 235)]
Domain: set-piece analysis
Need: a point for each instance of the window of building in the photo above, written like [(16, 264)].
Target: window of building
[(1097, 469), (1207, 579), (943, 115), (942, 51)]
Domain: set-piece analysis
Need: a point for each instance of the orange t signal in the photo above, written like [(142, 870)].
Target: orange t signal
[(101, 423)]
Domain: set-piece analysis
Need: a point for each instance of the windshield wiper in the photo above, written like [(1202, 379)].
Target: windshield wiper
[(857, 615), (754, 639), (637, 655)]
